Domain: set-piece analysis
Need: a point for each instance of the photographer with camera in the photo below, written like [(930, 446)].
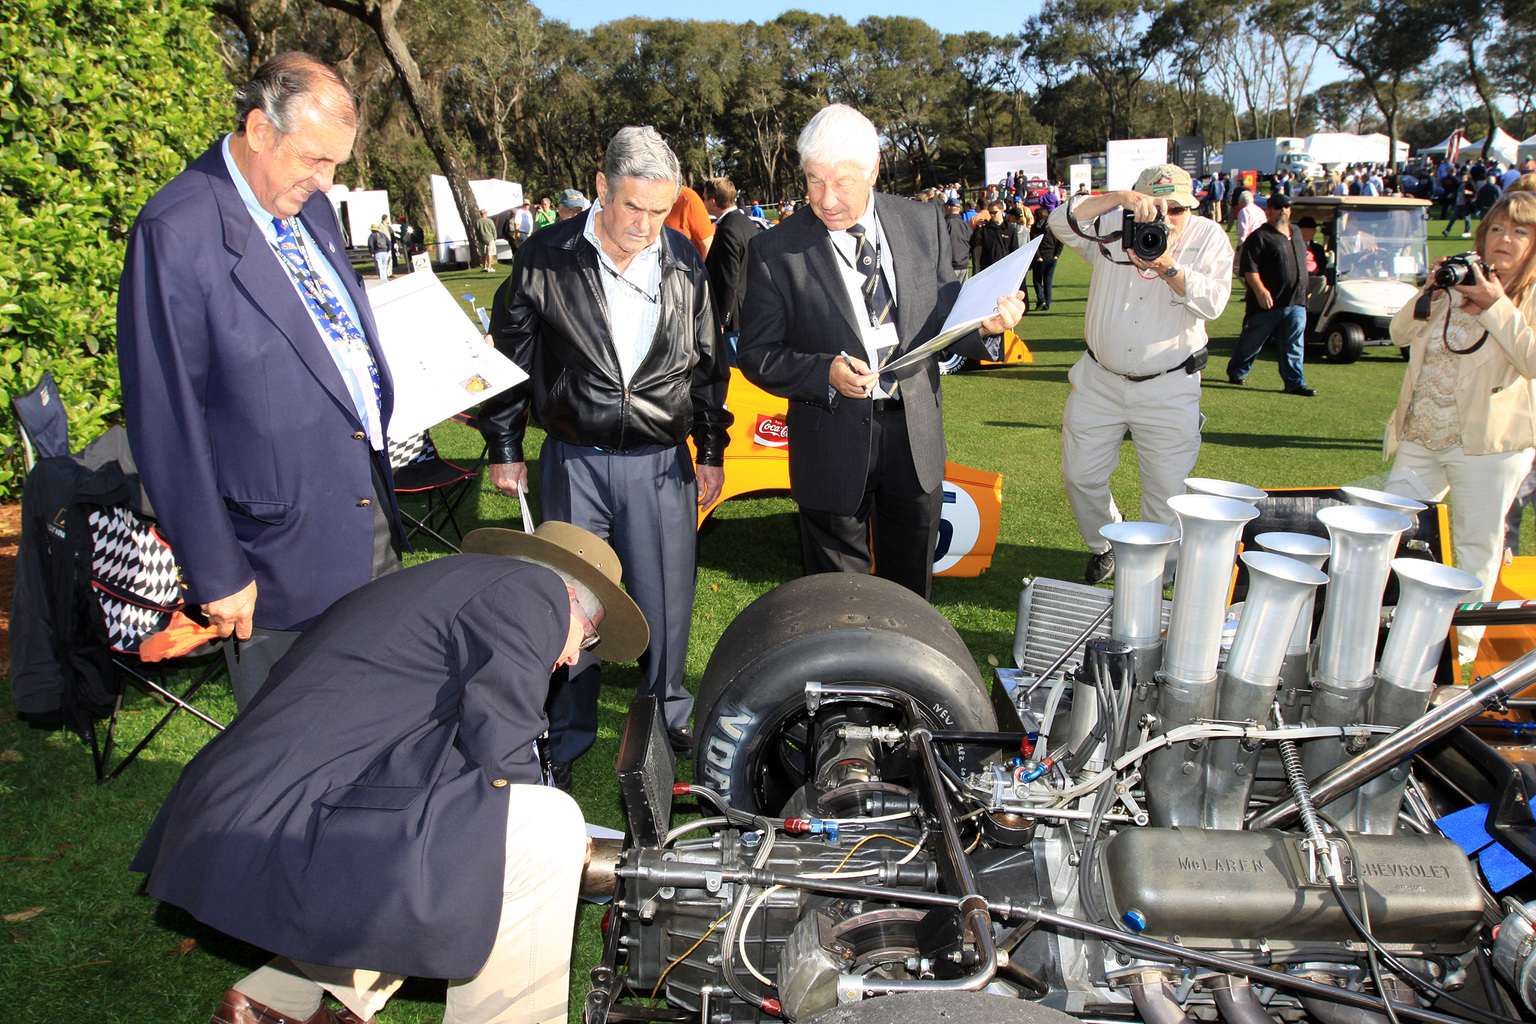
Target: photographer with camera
[(1465, 422), (1156, 281)]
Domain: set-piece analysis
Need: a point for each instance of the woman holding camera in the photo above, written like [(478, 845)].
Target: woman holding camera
[(1465, 421)]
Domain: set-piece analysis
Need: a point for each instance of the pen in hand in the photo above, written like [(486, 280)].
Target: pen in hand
[(868, 389)]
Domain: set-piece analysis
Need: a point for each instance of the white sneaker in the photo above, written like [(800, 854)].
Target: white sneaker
[(1466, 234)]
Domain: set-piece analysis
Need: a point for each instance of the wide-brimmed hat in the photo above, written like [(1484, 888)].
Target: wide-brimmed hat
[(588, 558), (1167, 181)]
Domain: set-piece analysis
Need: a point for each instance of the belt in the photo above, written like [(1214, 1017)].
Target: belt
[(886, 404), (1144, 377)]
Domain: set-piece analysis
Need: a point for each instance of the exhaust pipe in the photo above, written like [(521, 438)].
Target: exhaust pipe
[(1313, 550), (1428, 595), (1187, 683), (1277, 589), (1362, 541)]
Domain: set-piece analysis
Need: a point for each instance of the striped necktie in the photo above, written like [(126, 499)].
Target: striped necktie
[(877, 294)]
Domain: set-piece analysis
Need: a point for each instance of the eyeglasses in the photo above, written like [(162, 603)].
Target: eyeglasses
[(592, 637)]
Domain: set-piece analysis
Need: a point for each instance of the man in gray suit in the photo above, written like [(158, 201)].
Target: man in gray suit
[(846, 284)]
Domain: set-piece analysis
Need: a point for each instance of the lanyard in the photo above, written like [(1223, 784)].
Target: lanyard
[(304, 273)]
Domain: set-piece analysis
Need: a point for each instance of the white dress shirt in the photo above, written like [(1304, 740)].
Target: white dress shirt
[(634, 298), (873, 338)]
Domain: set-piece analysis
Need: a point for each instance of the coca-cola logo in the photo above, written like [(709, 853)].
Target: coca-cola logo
[(771, 432)]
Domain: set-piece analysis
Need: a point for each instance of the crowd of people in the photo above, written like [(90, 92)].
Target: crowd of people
[(404, 734)]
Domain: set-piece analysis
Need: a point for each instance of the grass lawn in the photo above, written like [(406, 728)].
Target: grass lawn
[(81, 943)]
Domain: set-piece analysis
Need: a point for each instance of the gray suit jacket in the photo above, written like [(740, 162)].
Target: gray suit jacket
[(797, 317)]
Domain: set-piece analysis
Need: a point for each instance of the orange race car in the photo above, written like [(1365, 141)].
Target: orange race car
[(757, 460)]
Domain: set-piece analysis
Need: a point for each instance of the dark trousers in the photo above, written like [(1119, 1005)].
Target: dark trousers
[(896, 526), (1044, 273), (645, 504)]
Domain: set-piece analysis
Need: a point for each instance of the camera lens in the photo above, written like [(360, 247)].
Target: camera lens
[(1151, 240), (1454, 271)]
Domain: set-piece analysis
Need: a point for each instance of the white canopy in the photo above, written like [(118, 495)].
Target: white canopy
[(1376, 144), (1527, 148), (1504, 146), (493, 194), (1438, 149)]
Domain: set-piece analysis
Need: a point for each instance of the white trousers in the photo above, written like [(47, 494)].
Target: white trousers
[(1481, 488), (1163, 417), (526, 978)]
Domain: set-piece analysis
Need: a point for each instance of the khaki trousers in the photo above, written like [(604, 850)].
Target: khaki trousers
[(526, 978), (1481, 488)]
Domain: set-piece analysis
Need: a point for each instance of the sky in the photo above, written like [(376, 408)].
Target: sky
[(584, 14)]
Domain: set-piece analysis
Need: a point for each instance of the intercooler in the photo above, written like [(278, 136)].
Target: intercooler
[(1052, 614)]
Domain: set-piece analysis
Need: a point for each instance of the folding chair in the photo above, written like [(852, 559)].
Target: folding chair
[(42, 422), (135, 582), (93, 582), (421, 472)]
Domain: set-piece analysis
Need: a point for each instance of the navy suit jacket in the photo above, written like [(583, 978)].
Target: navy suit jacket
[(797, 316), (242, 427), (356, 813)]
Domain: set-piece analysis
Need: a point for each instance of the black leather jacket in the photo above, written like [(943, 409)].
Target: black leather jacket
[(551, 318)]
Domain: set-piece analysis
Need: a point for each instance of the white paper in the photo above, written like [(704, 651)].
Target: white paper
[(977, 302), (440, 362)]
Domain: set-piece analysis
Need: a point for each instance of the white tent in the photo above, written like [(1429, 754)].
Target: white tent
[(1376, 144), (1438, 149), (1335, 149), (358, 210), (1527, 148), (1504, 147), (493, 194)]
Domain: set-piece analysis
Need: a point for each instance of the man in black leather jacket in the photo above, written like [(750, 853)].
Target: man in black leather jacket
[(610, 314)]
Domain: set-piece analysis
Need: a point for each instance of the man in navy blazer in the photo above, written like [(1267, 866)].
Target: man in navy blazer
[(865, 458), (376, 812), (254, 387)]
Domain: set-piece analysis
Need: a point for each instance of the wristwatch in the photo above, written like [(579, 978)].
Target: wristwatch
[(1172, 271)]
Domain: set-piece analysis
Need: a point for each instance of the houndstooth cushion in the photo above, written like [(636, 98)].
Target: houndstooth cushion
[(407, 451), (129, 625), (134, 575)]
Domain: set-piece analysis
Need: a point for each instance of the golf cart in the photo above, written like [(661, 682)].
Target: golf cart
[(1377, 259)]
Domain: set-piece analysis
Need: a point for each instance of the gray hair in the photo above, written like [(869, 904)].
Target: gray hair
[(586, 600), (640, 152), (840, 134), (283, 81)]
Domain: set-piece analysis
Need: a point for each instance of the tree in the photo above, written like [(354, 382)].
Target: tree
[(1512, 68), (100, 105), (1473, 24), (1383, 41), (1101, 38), (382, 17)]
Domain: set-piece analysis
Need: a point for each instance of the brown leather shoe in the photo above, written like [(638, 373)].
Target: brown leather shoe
[(238, 1008)]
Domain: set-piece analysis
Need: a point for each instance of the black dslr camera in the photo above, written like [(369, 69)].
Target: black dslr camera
[(1455, 270), (1147, 240)]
